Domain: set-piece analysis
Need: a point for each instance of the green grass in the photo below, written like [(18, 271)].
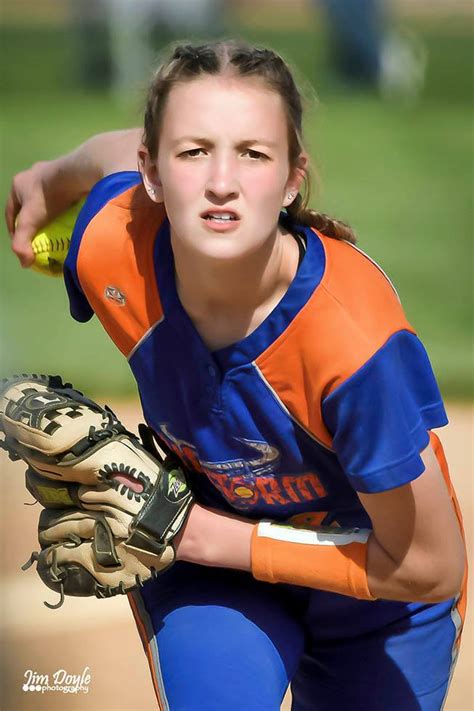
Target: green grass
[(400, 174), (37, 332)]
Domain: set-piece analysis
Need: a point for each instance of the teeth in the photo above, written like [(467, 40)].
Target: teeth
[(220, 216)]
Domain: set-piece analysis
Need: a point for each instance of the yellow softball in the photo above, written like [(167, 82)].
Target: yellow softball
[(51, 245)]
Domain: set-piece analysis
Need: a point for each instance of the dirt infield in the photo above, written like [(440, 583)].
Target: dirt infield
[(75, 640)]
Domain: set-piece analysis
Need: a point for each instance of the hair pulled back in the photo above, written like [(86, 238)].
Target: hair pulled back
[(236, 58)]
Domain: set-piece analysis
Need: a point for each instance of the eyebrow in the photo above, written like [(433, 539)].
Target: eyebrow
[(208, 143)]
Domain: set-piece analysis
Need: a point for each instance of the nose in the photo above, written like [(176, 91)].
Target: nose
[(222, 182)]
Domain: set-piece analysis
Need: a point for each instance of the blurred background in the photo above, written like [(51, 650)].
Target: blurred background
[(389, 87)]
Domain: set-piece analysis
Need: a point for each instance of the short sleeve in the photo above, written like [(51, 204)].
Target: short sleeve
[(379, 418), (104, 191)]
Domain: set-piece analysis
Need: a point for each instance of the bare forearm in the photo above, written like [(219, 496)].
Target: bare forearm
[(215, 539), (110, 152), (97, 157), (219, 540)]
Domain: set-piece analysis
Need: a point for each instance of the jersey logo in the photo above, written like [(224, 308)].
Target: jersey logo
[(247, 482), (262, 464), (176, 485), (265, 463), (112, 293)]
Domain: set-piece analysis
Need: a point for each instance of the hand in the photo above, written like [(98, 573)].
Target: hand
[(48, 188), (112, 504), (37, 196)]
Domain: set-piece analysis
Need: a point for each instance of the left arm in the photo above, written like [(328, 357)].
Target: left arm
[(414, 553)]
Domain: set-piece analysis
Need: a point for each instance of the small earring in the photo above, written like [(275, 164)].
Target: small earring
[(290, 196)]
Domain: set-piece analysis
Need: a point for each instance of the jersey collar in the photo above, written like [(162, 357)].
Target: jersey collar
[(306, 280)]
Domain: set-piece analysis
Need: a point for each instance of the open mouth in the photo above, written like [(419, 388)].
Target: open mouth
[(220, 217)]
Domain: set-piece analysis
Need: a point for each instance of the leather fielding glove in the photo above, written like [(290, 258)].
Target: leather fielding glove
[(112, 503)]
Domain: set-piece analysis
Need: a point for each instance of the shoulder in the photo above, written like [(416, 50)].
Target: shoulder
[(351, 311), (351, 314), (112, 251), (110, 189), (101, 195), (117, 210), (114, 199), (356, 282), (380, 397)]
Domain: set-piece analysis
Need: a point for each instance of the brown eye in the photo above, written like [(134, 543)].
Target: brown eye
[(255, 155), (192, 153)]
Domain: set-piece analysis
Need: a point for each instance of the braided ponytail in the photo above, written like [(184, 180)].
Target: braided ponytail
[(301, 214)]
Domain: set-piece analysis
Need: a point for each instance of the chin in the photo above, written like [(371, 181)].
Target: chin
[(213, 244), (223, 249)]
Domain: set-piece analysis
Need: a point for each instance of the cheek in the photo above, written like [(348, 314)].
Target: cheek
[(179, 179), (267, 185)]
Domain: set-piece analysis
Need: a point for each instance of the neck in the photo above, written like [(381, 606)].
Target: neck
[(205, 284)]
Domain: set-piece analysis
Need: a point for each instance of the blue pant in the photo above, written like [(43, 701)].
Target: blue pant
[(218, 640)]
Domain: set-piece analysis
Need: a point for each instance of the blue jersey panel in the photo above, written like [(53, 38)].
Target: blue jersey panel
[(225, 422), (106, 189), (249, 455), (379, 418), (231, 429)]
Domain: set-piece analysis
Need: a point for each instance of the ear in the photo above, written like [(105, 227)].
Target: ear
[(149, 173), (295, 179)]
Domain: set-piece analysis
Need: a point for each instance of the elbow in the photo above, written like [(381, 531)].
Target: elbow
[(438, 582), (440, 591), (449, 583)]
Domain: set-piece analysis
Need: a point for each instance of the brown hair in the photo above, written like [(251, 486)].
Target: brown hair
[(189, 61)]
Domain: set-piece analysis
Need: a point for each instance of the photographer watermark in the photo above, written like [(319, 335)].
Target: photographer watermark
[(60, 680)]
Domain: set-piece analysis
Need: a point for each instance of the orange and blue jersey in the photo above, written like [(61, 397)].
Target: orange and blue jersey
[(332, 394)]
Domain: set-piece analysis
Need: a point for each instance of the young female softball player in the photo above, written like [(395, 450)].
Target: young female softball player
[(274, 357)]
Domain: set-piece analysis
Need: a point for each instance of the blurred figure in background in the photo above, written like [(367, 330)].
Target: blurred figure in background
[(357, 28), (368, 53), (90, 39), (118, 39)]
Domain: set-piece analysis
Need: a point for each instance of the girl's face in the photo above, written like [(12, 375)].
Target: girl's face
[(223, 150)]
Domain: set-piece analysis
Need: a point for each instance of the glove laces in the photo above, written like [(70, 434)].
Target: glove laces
[(57, 574)]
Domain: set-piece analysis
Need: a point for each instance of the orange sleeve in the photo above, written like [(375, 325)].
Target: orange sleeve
[(349, 317), (116, 268), (331, 559)]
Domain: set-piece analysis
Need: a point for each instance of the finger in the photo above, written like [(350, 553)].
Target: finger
[(12, 208), (21, 242)]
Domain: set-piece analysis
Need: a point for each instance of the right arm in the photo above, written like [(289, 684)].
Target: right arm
[(42, 192)]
